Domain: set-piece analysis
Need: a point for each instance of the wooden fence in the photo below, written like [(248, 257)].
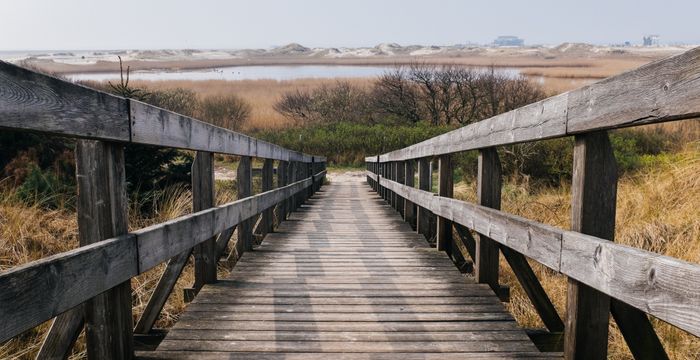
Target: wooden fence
[(603, 277), (91, 285)]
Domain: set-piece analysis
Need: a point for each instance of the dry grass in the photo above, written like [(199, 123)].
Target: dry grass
[(656, 211), (260, 94)]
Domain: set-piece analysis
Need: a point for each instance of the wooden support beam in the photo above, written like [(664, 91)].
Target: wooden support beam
[(423, 226), (282, 180), (245, 189), (401, 179), (594, 189), (445, 189), (409, 209), (266, 221), (528, 280), (638, 332), (160, 294), (102, 214), (62, 335), (489, 195), (203, 197)]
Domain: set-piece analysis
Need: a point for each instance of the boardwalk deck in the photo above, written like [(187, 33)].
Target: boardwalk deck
[(345, 278)]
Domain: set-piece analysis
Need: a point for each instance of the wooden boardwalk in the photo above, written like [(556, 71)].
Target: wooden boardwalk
[(345, 277)]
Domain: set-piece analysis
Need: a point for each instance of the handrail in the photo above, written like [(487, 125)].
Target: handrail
[(671, 286), (41, 103), (40, 290), (663, 90)]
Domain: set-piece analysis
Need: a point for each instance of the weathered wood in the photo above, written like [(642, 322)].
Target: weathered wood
[(538, 297), (660, 91), (203, 197), (594, 189), (489, 194), (409, 211), (160, 294), (37, 102), (155, 126), (282, 180), (244, 181), (664, 287), (423, 225), (638, 332), (63, 333), (266, 220), (211, 355), (401, 179), (102, 214), (445, 189), (668, 89)]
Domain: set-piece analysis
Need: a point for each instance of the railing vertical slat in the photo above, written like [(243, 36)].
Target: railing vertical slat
[(244, 180), (489, 194), (102, 214), (423, 226), (282, 180), (204, 197), (445, 189), (401, 179), (409, 210), (266, 221)]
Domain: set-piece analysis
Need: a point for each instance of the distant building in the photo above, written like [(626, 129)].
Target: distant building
[(508, 41), (651, 40)]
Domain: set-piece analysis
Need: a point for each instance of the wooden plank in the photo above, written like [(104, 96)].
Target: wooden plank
[(664, 287), (401, 179), (347, 325), (594, 189), (489, 184), (244, 183), (209, 355), (102, 214), (155, 126), (37, 102), (282, 180), (659, 91), (445, 189), (203, 197), (186, 334), (541, 120), (42, 289)]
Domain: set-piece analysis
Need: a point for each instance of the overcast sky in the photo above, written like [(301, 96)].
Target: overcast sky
[(158, 24)]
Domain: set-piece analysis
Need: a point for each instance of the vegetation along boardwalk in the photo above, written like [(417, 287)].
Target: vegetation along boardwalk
[(346, 275)]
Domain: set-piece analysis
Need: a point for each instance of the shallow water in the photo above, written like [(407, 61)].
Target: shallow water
[(274, 72)]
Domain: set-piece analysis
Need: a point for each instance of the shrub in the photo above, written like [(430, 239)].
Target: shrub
[(44, 188), (227, 111)]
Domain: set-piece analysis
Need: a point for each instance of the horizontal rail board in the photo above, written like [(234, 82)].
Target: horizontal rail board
[(664, 90), (42, 103), (661, 286), (40, 290)]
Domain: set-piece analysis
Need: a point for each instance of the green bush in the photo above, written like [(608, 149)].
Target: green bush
[(44, 188)]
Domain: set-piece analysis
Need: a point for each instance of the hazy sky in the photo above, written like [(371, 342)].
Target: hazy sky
[(129, 24)]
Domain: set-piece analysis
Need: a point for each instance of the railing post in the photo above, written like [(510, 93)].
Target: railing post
[(445, 189), (282, 180), (593, 194), (266, 185), (203, 197), (102, 214), (423, 226), (489, 195), (244, 180), (310, 174), (409, 210), (401, 179)]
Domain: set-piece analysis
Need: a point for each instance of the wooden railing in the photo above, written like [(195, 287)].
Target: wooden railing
[(91, 284), (603, 277)]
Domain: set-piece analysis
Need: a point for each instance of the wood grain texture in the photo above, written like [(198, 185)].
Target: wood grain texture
[(445, 189), (409, 211), (37, 102), (102, 214), (155, 126), (423, 217), (489, 182), (62, 335), (266, 221), (203, 197), (345, 274), (661, 286)]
